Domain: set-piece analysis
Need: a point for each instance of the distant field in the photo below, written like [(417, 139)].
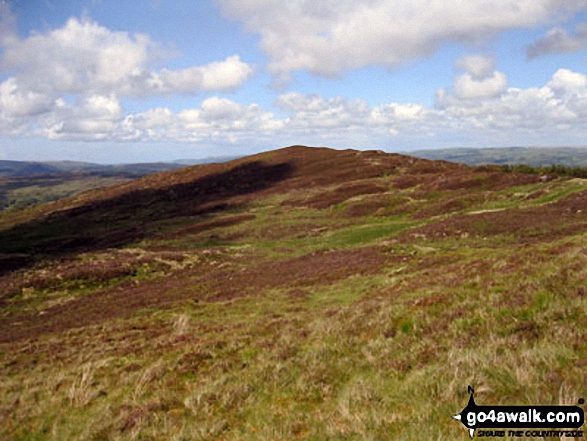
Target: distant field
[(22, 192), (534, 156)]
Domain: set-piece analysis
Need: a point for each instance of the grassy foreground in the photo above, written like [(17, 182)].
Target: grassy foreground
[(347, 296)]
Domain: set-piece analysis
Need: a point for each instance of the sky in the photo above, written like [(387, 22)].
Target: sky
[(159, 80)]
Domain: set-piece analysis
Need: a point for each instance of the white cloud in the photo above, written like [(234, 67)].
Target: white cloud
[(215, 108), (78, 56), (478, 66), (550, 112), (468, 87), (97, 117), (313, 112), (569, 83), (222, 75), (479, 79), (555, 111), (16, 102), (84, 57), (216, 119), (484, 112), (557, 41), (329, 37), (88, 70), (318, 120), (67, 83)]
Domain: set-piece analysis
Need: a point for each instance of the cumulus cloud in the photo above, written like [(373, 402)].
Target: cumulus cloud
[(97, 117), (67, 83), (329, 37), (468, 87), (85, 79), (224, 75), (557, 110), (478, 66), (558, 41), (550, 111), (567, 82), (315, 114), (17, 102), (479, 79), (217, 119), (84, 57), (78, 56)]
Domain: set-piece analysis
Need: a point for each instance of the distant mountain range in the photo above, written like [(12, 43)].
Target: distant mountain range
[(534, 156), (28, 168)]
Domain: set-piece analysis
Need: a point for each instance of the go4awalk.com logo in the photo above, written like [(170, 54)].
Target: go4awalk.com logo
[(522, 421)]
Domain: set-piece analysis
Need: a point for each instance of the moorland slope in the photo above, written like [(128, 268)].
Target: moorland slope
[(303, 293)]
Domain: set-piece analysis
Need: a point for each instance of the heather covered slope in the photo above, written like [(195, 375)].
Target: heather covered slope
[(302, 293)]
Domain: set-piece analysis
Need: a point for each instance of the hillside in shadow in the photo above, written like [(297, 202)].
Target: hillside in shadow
[(133, 215)]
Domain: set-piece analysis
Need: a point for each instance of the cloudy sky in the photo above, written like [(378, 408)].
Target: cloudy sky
[(145, 80)]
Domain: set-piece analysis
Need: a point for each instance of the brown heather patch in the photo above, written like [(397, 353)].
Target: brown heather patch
[(465, 180), (406, 181), (370, 206), (328, 198), (74, 274), (317, 268), (547, 222), (226, 221), (448, 206), (321, 267)]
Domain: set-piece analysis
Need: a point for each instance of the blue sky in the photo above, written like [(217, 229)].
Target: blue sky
[(107, 81)]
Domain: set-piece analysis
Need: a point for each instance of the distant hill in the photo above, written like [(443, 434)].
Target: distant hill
[(25, 183), (207, 160), (534, 156), (26, 169), (19, 168)]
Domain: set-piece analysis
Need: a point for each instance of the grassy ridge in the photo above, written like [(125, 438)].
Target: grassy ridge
[(357, 303)]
